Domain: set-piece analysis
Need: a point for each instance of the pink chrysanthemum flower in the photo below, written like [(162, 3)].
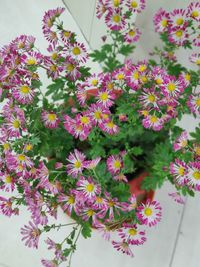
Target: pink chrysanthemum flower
[(194, 11), (14, 126), (119, 76), (123, 246), (31, 234), (105, 98), (109, 127), (78, 52), (81, 95), (179, 171), (153, 122), (87, 188), (72, 69), (149, 98), (177, 198), (24, 94), (98, 113), (194, 174), (178, 18), (133, 78), (68, 202), (132, 35), (120, 178), (50, 119), (114, 164), (136, 5), (8, 182), (196, 39), (194, 104), (111, 4), (113, 206), (178, 36), (50, 16), (131, 233), (114, 20), (6, 207), (149, 213), (65, 36), (49, 263), (104, 230), (172, 87), (77, 163), (93, 81), (89, 213), (91, 164), (33, 59), (181, 141), (161, 21), (132, 203), (195, 58), (53, 69), (101, 8)]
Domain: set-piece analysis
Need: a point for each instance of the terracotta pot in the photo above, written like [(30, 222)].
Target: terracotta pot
[(135, 188)]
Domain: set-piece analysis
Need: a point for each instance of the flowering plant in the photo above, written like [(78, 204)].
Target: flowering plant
[(76, 144)]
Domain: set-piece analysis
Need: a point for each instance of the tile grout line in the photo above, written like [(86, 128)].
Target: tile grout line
[(177, 235)]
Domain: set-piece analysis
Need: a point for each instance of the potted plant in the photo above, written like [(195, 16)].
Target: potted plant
[(81, 143)]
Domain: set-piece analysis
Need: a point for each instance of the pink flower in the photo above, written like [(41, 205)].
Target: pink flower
[(50, 16), (98, 113), (101, 8), (72, 69), (181, 141), (133, 78), (105, 98), (194, 104), (177, 198), (23, 94), (91, 164), (161, 21), (8, 182), (131, 233), (179, 171), (178, 18), (194, 11), (31, 234), (78, 52), (136, 5), (49, 263), (178, 36), (153, 122), (88, 188), (194, 175), (149, 213), (6, 207), (195, 58), (114, 20), (68, 202), (132, 35), (132, 203), (109, 127), (50, 119), (77, 163), (104, 230), (114, 164), (149, 98), (123, 246)]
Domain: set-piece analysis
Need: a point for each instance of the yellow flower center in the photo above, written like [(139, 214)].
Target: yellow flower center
[(97, 115), (110, 86), (79, 127), (90, 188), (148, 211), (116, 3), (70, 67), (21, 157), (90, 213), (49, 23), (94, 82), (71, 200), (159, 81), (198, 62), (132, 231), (134, 4), (8, 179), (187, 77), (151, 98), (196, 175), (153, 119), (181, 171), (85, 120), (142, 68), (179, 33), (136, 75), (66, 34), (179, 21), (31, 61), (120, 76), (183, 143), (6, 146), (144, 79), (164, 23), (145, 112), (171, 87), (131, 33), (198, 102), (99, 200), (77, 164), (53, 68), (104, 96), (51, 117), (76, 51), (29, 147), (116, 18), (111, 203), (195, 14), (110, 124), (117, 164), (54, 56), (16, 124), (24, 89)]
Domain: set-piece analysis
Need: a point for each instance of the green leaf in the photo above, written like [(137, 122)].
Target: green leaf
[(86, 230), (126, 49)]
